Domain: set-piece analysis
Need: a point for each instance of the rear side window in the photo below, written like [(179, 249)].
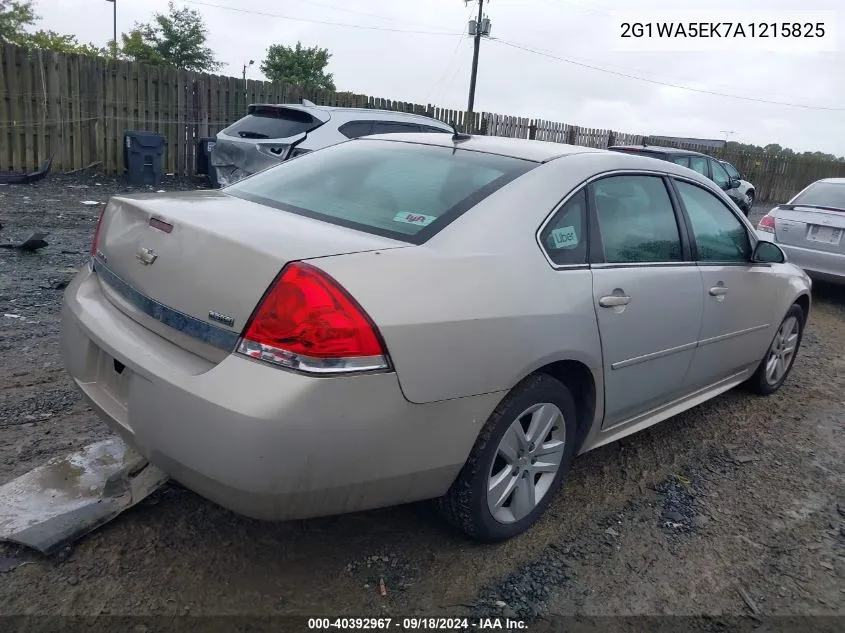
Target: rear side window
[(356, 129), (636, 220), (565, 237), (394, 127), (822, 194), (699, 164), (404, 191), (270, 122), (682, 160)]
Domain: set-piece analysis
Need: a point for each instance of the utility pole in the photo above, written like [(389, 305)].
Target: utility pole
[(726, 133), (478, 29), (251, 62), (114, 26)]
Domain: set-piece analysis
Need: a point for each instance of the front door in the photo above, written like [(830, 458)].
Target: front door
[(739, 297), (646, 295)]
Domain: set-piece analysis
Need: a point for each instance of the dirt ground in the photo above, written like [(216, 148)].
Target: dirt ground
[(734, 508)]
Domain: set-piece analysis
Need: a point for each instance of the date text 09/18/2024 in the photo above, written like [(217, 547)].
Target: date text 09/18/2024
[(417, 624)]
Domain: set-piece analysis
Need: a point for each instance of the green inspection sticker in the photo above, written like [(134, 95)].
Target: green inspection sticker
[(409, 217), (565, 237)]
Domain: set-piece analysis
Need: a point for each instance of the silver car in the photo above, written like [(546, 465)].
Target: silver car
[(409, 317), (272, 133), (810, 227)]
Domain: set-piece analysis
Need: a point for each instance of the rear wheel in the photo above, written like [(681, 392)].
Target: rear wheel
[(517, 464), (777, 363), (750, 203)]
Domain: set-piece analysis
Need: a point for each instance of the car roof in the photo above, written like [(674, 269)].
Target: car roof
[(656, 149), (352, 114), (833, 181), (538, 151)]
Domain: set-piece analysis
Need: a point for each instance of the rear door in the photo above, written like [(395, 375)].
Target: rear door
[(647, 295), (740, 298)]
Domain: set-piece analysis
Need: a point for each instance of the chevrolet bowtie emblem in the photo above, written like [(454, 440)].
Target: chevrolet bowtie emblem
[(146, 255)]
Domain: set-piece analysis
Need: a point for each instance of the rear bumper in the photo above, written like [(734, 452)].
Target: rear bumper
[(818, 264), (258, 440)]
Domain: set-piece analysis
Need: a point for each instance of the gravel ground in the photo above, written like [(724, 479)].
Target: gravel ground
[(736, 508)]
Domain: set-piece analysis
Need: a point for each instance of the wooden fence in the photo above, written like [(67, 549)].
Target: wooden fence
[(76, 109)]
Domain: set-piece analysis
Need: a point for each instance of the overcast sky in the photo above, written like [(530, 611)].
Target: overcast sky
[(434, 67)]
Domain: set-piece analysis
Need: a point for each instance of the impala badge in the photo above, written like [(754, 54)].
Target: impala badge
[(146, 255), (221, 318)]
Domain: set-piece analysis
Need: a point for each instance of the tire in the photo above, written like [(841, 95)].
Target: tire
[(466, 504), (759, 383), (750, 196)]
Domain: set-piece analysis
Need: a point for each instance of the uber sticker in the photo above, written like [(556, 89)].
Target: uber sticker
[(414, 218), (565, 237)]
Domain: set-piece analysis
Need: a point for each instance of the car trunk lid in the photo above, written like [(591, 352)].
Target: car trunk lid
[(818, 228), (192, 266)]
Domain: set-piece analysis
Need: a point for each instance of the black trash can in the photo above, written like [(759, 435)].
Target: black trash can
[(143, 157), (204, 147)]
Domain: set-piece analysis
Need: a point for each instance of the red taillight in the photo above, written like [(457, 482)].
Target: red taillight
[(767, 223), (306, 321), (97, 232)]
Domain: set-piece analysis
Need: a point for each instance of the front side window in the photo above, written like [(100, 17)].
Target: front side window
[(405, 191), (565, 237), (636, 220), (720, 175), (732, 171), (719, 234)]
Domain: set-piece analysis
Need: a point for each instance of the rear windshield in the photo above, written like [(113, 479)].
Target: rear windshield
[(404, 191), (268, 122), (822, 194)]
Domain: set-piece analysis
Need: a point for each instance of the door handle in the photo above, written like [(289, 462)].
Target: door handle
[(718, 291), (614, 301)]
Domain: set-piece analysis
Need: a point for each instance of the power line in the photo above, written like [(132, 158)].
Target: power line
[(312, 21), (364, 13), (663, 83)]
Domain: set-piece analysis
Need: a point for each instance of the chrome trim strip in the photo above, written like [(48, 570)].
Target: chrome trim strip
[(682, 348), (724, 337), (184, 323), (653, 355)]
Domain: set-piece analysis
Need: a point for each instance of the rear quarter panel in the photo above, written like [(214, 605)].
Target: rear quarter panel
[(478, 307)]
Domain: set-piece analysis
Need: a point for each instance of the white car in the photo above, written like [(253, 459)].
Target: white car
[(272, 133), (744, 191)]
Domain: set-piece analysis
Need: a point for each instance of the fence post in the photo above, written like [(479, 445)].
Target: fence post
[(532, 130), (572, 135), (611, 138)]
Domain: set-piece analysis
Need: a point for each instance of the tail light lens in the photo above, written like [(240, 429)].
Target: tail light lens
[(767, 223), (96, 240), (308, 322)]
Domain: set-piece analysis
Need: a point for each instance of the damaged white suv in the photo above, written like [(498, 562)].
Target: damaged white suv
[(270, 134)]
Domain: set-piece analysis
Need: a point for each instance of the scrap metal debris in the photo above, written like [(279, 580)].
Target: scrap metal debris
[(55, 504), (23, 178), (30, 244)]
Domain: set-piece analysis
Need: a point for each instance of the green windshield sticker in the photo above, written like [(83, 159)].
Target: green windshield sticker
[(414, 218), (565, 237)]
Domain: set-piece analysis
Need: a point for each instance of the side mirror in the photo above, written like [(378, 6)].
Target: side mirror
[(768, 253)]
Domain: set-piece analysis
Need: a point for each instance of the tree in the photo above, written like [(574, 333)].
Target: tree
[(14, 17), (17, 15), (176, 38), (52, 41), (300, 66)]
